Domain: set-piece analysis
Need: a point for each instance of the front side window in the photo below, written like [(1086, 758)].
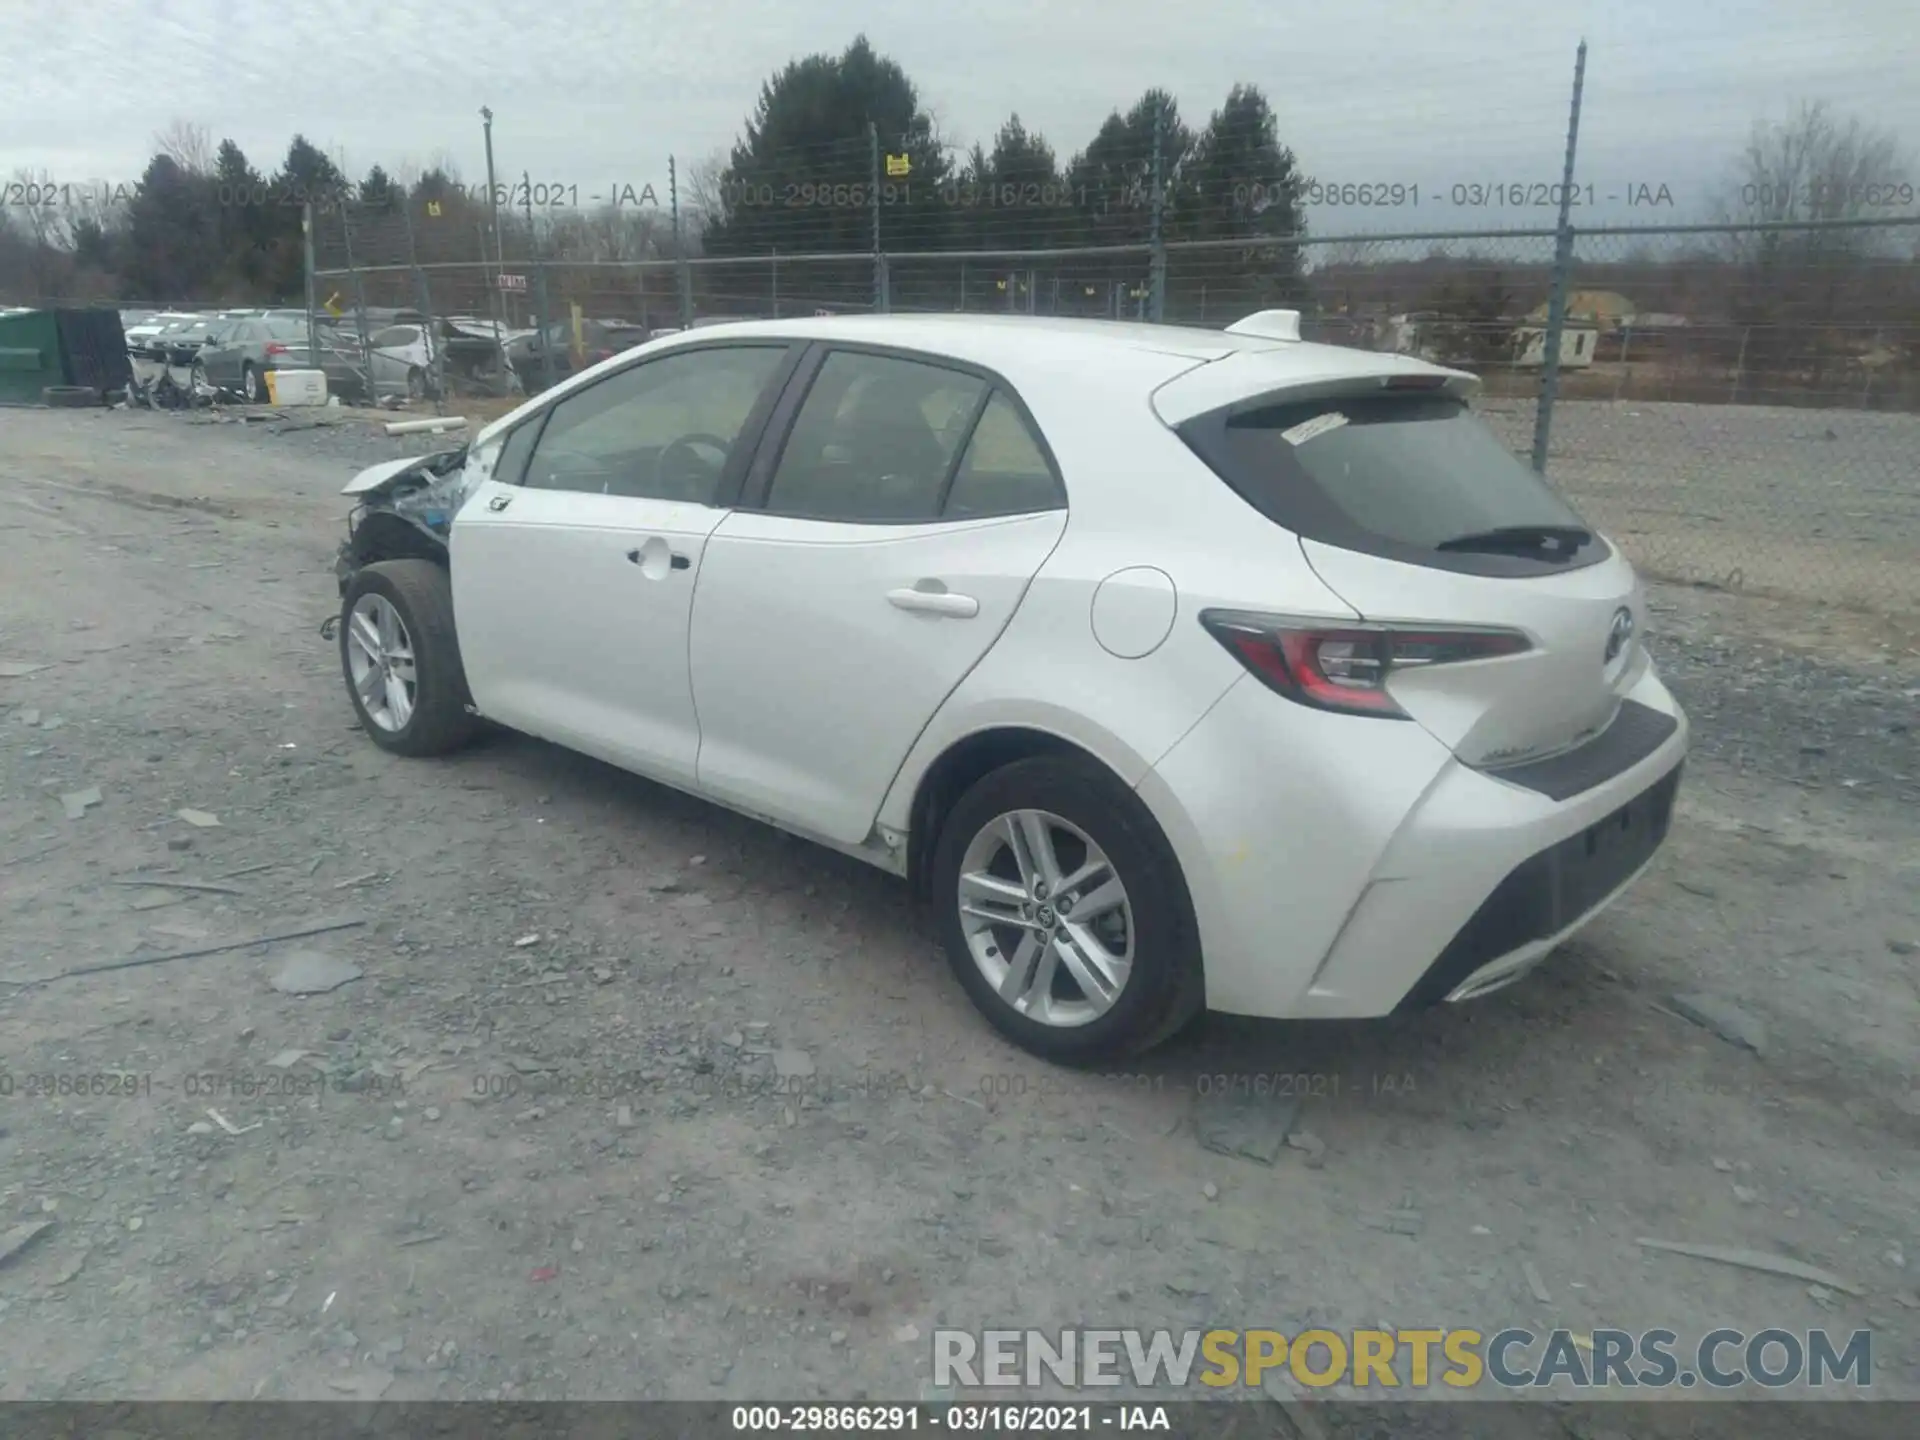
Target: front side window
[(664, 430), (875, 440)]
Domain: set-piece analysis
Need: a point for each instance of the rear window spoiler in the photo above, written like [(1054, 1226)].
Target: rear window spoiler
[(1249, 379)]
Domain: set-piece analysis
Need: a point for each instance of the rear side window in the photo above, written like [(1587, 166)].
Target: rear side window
[(874, 441), (1409, 477), (1004, 470)]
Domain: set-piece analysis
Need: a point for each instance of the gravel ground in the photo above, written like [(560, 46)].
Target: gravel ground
[(633, 1098)]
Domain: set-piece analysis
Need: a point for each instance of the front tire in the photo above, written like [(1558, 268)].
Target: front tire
[(401, 659), (1064, 913)]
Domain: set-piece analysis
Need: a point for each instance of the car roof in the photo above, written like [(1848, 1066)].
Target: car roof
[(990, 340), (1019, 345), (1029, 348)]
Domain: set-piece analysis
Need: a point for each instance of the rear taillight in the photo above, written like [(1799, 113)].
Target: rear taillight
[(274, 347), (1347, 667)]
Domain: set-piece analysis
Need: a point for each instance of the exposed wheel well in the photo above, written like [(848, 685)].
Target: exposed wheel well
[(382, 535), (950, 777)]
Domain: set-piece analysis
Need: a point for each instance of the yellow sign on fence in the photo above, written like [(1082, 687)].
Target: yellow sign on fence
[(897, 166)]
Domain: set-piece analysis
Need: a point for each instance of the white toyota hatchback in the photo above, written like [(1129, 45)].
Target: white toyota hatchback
[(1177, 669)]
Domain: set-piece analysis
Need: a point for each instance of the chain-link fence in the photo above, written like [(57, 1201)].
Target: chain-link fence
[(1737, 406)]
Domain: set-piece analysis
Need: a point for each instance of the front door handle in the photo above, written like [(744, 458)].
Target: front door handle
[(934, 602), (655, 558)]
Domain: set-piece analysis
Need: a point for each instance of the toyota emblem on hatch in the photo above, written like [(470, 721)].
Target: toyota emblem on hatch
[(1619, 633)]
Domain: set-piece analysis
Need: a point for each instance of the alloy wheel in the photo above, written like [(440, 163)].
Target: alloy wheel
[(1046, 917), (380, 658)]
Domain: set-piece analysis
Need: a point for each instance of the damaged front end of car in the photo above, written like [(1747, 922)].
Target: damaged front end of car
[(404, 509)]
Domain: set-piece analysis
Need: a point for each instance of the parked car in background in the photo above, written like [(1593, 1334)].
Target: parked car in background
[(401, 358), (244, 352), (143, 339), (181, 345), (599, 340), (1177, 669)]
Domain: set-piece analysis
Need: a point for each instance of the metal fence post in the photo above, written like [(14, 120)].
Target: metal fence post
[(359, 304), (1562, 265), (541, 312), (306, 264), (683, 276), (436, 348), (1157, 266), (873, 205)]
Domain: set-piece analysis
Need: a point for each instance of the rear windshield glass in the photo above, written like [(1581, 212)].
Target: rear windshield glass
[(1408, 476), (1419, 470)]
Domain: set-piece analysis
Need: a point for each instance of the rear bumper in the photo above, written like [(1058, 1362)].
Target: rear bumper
[(1547, 898), (1337, 873)]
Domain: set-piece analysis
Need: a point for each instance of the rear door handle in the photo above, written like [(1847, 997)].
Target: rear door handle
[(934, 602)]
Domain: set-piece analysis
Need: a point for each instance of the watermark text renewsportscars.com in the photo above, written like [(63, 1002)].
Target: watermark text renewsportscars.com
[(1404, 1359)]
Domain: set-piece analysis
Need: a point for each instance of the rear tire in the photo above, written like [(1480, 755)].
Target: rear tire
[(250, 386), (416, 384), (411, 696), (1090, 818)]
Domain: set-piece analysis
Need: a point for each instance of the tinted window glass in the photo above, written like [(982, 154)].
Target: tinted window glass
[(394, 337), (874, 440), (662, 431), (1410, 470), (1004, 471), (286, 329)]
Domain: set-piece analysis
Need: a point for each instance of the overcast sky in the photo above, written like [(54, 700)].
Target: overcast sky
[(600, 92)]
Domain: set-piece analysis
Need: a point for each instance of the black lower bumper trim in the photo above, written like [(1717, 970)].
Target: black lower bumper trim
[(1547, 892), (1636, 732)]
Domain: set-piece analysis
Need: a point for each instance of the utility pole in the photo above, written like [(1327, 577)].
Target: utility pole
[(498, 303), (1562, 264), (1157, 265), (684, 276)]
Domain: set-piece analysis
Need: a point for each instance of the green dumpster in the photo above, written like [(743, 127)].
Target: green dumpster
[(41, 349), (29, 356)]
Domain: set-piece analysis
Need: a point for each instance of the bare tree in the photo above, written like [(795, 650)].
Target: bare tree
[(1815, 166), (703, 200), (1793, 289), (44, 211), (187, 145)]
